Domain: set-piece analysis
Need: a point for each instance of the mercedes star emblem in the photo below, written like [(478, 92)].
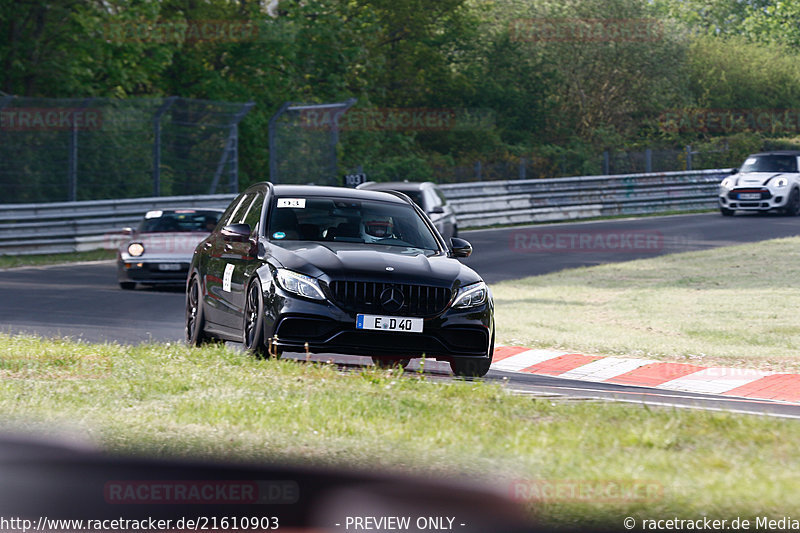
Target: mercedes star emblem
[(392, 299)]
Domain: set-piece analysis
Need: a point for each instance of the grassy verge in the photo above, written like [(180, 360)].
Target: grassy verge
[(732, 306), (13, 261), (172, 400)]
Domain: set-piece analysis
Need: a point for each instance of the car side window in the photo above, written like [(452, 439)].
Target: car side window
[(431, 200), (240, 209), (253, 215), (441, 196), (226, 215), (231, 211)]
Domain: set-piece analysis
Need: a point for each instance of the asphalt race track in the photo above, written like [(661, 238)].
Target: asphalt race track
[(83, 301), (511, 253)]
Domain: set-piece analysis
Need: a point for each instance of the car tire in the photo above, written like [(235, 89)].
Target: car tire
[(726, 212), (195, 316), (793, 205), (473, 368), (383, 362), (253, 321), (127, 285)]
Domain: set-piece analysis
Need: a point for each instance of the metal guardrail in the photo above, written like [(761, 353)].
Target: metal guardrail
[(545, 200), (80, 226)]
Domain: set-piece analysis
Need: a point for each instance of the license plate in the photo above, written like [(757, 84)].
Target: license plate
[(389, 323), (750, 196), (169, 266)]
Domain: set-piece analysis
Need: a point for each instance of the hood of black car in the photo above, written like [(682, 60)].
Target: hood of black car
[(372, 262)]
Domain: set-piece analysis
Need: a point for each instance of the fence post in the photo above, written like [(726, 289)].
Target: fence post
[(273, 156), (334, 159), (522, 169), (606, 163), (478, 170), (72, 157), (688, 157), (157, 144), (648, 160), (230, 152)]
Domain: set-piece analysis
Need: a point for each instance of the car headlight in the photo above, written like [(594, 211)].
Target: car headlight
[(299, 284), (781, 183), (471, 295), (726, 184), (135, 249)]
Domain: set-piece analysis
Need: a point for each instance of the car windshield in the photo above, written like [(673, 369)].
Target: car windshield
[(770, 163), (180, 221), (349, 220)]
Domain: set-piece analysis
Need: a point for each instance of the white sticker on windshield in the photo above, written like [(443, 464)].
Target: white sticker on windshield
[(297, 203), (226, 279), (750, 161)]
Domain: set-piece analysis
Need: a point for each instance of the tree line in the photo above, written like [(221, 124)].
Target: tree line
[(558, 80)]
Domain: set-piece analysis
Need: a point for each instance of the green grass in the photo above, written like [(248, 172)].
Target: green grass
[(732, 306), (170, 400), (14, 261)]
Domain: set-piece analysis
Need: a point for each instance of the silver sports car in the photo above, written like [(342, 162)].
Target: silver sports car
[(159, 251)]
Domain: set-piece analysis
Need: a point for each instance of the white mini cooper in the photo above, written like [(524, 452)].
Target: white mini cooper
[(764, 182)]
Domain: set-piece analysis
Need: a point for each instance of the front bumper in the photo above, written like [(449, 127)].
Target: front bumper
[(152, 271), (754, 198), (297, 325)]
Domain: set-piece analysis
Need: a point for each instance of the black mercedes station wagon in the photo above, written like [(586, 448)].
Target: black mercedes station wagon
[(327, 269)]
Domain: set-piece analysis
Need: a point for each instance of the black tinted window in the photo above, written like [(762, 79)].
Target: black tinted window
[(253, 215), (770, 163), (346, 220), (165, 221)]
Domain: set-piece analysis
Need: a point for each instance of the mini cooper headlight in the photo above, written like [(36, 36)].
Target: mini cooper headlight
[(135, 249), (299, 284), (726, 184), (781, 183), (471, 295)]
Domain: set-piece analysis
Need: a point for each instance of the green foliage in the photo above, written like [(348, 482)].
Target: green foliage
[(734, 73), (551, 99)]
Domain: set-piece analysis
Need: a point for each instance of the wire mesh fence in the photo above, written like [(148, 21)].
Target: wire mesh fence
[(566, 164), (303, 141), (55, 150)]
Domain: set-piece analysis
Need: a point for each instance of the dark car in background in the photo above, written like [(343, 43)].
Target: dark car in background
[(159, 250), (328, 269), (426, 195)]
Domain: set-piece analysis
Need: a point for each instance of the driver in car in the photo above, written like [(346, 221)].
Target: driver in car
[(375, 228)]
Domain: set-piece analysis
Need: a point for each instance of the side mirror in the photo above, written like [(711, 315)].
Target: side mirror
[(236, 232), (460, 247), (127, 231), (734, 171), (438, 210)]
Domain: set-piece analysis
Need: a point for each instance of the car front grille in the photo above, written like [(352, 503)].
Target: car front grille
[(365, 297), (765, 194)]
